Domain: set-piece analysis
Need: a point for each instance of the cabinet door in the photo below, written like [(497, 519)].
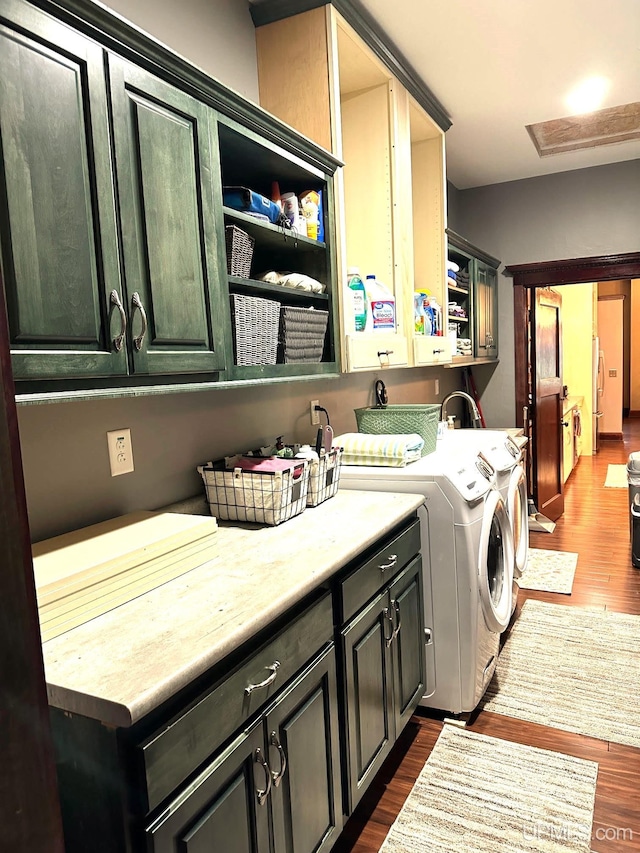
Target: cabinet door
[(485, 306), (408, 642), (368, 675), (168, 181), (57, 218), (302, 734), (221, 809)]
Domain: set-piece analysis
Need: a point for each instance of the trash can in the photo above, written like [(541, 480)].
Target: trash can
[(633, 478)]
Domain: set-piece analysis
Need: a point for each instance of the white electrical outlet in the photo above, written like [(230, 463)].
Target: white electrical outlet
[(120, 451), (315, 416)]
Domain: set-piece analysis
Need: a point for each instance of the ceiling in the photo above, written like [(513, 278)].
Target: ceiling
[(497, 66)]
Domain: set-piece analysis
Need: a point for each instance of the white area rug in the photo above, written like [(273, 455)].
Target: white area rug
[(479, 794), (549, 571), (616, 477), (571, 668)]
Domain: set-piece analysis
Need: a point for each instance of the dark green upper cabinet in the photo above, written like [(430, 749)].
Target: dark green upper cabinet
[(57, 223), (167, 178)]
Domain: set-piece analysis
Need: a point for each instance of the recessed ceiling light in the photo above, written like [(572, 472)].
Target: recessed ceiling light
[(588, 96)]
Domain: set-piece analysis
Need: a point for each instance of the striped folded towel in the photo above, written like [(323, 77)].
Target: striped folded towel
[(392, 451)]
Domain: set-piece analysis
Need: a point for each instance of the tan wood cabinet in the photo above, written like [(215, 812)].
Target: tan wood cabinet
[(390, 193)]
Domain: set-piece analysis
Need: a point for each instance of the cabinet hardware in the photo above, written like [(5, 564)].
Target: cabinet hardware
[(437, 351), (428, 636), (393, 559), (396, 607), (386, 352), (137, 303), (119, 339), (277, 775), (273, 669), (260, 759), (389, 617)]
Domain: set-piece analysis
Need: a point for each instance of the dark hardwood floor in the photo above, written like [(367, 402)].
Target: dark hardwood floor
[(595, 525)]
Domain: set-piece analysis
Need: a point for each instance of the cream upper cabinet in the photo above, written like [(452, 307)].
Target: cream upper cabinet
[(319, 76)]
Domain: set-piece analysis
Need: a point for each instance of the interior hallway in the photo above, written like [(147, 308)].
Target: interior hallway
[(595, 525)]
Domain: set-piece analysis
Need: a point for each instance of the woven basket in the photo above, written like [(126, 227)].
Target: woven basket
[(402, 420), (301, 335), (239, 247), (255, 329)]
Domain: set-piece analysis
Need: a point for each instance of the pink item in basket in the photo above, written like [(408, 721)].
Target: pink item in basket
[(269, 465)]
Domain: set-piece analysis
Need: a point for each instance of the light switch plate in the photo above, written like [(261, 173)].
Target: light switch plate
[(120, 451)]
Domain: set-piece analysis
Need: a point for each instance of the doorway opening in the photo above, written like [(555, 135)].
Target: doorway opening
[(527, 279)]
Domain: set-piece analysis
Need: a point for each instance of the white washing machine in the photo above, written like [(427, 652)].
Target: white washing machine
[(506, 457), (467, 551)]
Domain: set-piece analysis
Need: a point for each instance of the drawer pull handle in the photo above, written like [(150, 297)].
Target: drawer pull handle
[(260, 759), (437, 351), (386, 352), (396, 606), (119, 339), (137, 303), (277, 776), (273, 668), (393, 559), (388, 616)]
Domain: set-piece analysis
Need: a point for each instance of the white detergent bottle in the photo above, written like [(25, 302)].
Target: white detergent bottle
[(382, 306), (358, 299)]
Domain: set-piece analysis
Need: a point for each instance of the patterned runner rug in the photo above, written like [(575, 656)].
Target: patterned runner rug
[(479, 794), (549, 571), (571, 668), (616, 477)]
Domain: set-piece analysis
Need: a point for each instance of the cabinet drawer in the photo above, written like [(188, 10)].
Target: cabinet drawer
[(170, 755), (362, 584), (432, 349), (368, 351)]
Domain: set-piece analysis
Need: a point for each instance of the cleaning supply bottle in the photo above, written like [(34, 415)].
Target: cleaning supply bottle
[(383, 305), (358, 299)]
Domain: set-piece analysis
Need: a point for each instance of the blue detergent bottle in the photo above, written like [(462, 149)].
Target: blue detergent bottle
[(358, 299)]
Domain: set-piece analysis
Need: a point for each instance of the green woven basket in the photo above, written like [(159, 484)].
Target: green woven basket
[(401, 420)]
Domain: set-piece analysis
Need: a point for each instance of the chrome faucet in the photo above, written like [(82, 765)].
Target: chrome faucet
[(475, 414)]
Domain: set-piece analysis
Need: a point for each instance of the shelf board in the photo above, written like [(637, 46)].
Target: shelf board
[(455, 319), (457, 289), (272, 235), (287, 294), (469, 361)]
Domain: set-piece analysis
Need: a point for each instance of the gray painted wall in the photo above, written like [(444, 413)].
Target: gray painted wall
[(569, 215)]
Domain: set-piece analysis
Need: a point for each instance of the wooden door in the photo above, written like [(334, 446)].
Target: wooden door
[(304, 756), (547, 413), (408, 643), (369, 697), (220, 810), (168, 183), (57, 217)]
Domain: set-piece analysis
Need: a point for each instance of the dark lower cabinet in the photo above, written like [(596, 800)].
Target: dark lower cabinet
[(384, 666), (285, 767)]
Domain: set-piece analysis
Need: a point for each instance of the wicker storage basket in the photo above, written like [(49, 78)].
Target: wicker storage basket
[(239, 247), (301, 335), (255, 329), (324, 476), (265, 491), (399, 420)]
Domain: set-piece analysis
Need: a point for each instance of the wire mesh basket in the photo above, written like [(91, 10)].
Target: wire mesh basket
[(255, 329), (402, 419), (239, 247), (301, 335), (262, 490), (324, 476)]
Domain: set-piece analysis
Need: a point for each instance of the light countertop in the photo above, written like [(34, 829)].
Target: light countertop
[(121, 665)]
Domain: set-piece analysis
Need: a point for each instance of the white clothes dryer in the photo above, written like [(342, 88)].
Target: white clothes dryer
[(467, 550), (504, 454)]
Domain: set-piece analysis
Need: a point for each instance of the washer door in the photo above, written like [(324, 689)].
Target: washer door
[(495, 564), (517, 511)]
